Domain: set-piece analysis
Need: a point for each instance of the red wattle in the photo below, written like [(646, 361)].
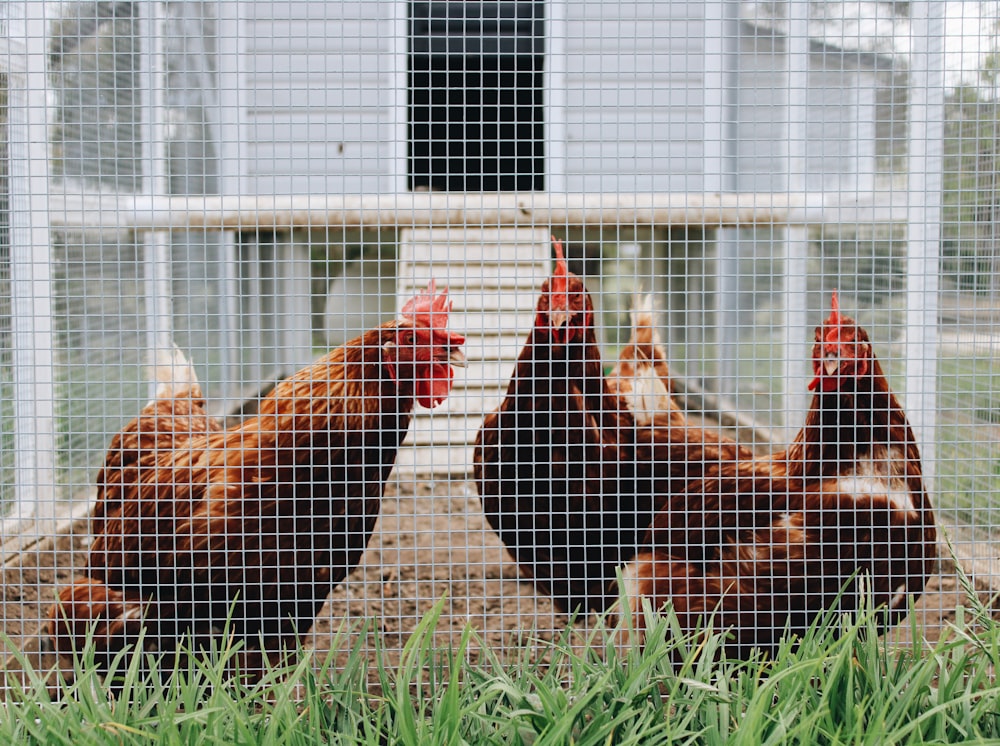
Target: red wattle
[(434, 384)]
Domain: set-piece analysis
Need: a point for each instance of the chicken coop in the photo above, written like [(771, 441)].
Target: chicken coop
[(200, 199)]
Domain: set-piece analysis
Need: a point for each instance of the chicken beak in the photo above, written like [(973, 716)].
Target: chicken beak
[(558, 319), (831, 364), (457, 358)]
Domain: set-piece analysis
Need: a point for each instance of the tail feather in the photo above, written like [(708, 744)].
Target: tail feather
[(645, 336), (90, 610), (649, 394), (174, 373), (642, 376)]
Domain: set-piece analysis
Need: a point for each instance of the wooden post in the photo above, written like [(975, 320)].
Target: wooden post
[(33, 364), (156, 259), (797, 342), (923, 239)]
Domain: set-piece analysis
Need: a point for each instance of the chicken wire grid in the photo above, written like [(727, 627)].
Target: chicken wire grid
[(259, 182)]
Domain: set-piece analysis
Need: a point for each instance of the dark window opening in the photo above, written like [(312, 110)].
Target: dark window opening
[(476, 96)]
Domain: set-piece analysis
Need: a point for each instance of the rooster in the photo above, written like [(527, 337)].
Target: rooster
[(567, 477), (767, 545), (261, 521)]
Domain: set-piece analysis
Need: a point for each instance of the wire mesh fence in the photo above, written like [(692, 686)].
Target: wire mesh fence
[(248, 186)]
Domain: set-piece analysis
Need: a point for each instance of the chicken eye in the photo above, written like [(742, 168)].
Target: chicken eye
[(408, 338)]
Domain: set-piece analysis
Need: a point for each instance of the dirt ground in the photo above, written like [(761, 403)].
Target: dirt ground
[(431, 542)]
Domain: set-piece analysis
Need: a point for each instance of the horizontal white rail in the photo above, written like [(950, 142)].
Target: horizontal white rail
[(247, 213)]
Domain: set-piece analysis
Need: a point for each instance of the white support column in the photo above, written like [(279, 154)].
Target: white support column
[(31, 273), (197, 255), (721, 60), (798, 339), (228, 131), (923, 239), (257, 362), (400, 25), (554, 92), (292, 308), (158, 275)]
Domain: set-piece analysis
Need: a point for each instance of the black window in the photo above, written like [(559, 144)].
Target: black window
[(476, 93)]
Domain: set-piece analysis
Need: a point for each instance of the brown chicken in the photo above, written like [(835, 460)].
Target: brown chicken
[(768, 544), (567, 478), (641, 376), (262, 520)]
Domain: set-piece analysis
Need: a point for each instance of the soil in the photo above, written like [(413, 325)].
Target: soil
[(431, 544)]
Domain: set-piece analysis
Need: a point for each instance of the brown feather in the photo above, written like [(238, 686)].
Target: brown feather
[(768, 544), (263, 519), (641, 376), (567, 478)]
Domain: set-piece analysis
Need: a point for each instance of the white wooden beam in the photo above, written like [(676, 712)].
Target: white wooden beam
[(143, 213), (31, 271), (722, 47), (923, 239), (797, 342), (156, 259)]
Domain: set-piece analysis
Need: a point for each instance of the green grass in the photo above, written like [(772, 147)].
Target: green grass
[(968, 439), (846, 688)]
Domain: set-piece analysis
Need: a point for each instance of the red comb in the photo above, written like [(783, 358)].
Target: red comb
[(560, 275), (557, 245), (834, 320), (429, 308)]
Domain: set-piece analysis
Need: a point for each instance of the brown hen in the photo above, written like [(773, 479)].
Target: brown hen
[(769, 544), (568, 479), (261, 521)]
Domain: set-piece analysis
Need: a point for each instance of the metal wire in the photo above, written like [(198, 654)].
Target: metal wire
[(259, 182)]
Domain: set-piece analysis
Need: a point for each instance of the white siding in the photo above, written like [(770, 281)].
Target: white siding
[(634, 115), (320, 117), (831, 121), (320, 106), (494, 309), (839, 152), (761, 116)]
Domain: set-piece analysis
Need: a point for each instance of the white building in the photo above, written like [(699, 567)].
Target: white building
[(385, 97)]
